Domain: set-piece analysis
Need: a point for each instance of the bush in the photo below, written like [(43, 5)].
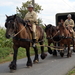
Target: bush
[(5, 52), (4, 42)]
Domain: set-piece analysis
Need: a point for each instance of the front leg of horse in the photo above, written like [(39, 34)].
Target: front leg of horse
[(29, 62), (12, 65), (49, 49), (36, 59), (55, 51), (74, 45), (62, 51), (69, 51), (43, 54)]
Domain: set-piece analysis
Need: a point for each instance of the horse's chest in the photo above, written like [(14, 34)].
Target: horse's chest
[(21, 43), (66, 41)]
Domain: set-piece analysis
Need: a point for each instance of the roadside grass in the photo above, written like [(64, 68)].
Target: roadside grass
[(72, 72), (6, 54)]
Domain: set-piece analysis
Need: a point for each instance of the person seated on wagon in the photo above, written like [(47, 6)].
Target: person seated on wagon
[(32, 17), (70, 24), (62, 21)]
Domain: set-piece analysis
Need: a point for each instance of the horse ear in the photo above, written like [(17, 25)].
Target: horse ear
[(15, 16), (45, 25), (6, 16)]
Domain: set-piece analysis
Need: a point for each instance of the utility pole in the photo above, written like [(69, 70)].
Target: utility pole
[(33, 3)]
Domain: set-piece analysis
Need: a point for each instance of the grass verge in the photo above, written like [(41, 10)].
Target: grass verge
[(72, 72), (6, 53)]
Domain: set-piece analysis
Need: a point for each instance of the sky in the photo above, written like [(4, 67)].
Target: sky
[(50, 8)]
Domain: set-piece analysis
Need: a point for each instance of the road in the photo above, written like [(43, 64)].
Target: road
[(50, 66)]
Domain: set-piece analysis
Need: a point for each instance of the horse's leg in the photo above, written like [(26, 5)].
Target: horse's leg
[(73, 45), (55, 52), (49, 49), (69, 51), (12, 65), (29, 62), (43, 55), (36, 59), (61, 51)]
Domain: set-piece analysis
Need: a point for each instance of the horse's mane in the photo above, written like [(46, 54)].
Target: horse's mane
[(18, 19), (49, 26)]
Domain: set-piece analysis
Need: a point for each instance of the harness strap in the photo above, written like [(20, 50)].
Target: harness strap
[(21, 39), (28, 40), (53, 36)]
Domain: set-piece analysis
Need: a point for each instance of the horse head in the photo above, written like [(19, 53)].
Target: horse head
[(48, 30), (10, 25), (61, 26)]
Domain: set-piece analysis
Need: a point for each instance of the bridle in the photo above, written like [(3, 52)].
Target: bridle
[(16, 28), (52, 36)]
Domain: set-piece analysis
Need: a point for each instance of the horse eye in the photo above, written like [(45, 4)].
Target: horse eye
[(9, 22)]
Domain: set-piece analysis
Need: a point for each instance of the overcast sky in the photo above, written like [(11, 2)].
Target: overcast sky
[(50, 8)]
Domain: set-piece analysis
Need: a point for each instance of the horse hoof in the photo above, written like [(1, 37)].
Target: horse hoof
[(68, 55), (43, 56), (61, 54), (54, 54), (12, 71), (35, 61), (73, 50), (29, 66), (12, 66), (50, 51)]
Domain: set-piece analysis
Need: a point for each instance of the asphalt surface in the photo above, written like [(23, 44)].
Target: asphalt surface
[(50, 66)]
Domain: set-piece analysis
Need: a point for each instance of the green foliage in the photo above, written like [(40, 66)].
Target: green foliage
[(72, 72), (23, 9), (4, 42), (5, 52), (40, 22)]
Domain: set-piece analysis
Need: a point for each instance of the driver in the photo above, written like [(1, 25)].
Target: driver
[(70, 24), (32, 17)]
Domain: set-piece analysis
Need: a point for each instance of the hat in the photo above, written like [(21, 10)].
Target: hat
[(30, 5), (69, 15)]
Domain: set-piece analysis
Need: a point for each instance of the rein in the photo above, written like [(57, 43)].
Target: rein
[(63, 37), (18, 32), (53, 36)]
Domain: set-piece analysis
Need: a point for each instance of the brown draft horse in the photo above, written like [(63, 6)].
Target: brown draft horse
[(15, 24), (66, 39), (50, 33)]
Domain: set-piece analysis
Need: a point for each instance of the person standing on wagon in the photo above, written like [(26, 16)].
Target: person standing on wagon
[(70, 24), (32, 17)]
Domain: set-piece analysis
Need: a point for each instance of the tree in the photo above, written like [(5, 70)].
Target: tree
[(23, 9)]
